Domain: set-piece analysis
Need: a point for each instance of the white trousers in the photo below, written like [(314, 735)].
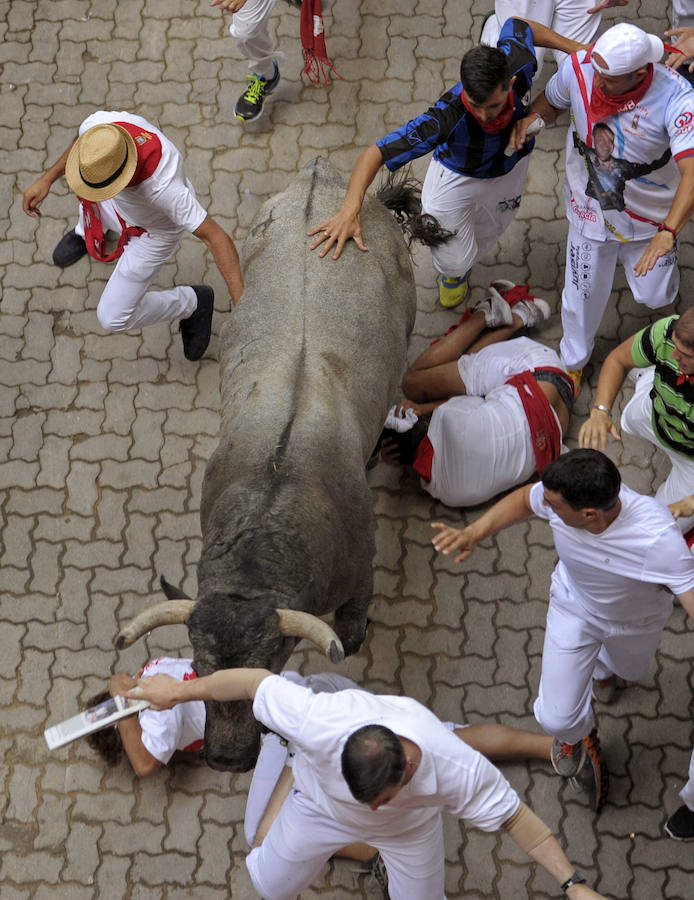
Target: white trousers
[(303, 838), (478, 210), (125, 303), (687, 792), (636, 420), (590, 268), (251, 28), (567, 17), (579, 648)]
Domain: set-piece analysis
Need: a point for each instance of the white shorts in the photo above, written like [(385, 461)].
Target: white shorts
[(567, 17), (590, 268), (481, 440), (578, 649), (687, 792), (477, 210), (636, 420)]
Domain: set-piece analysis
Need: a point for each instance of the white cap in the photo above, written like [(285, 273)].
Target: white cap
[(626, 48)]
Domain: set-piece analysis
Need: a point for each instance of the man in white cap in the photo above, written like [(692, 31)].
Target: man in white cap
[(616, 212), (129, 179)]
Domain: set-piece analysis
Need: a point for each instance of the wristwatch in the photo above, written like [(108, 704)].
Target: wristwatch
[(576, 878)]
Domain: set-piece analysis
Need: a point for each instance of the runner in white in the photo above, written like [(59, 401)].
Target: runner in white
[(608, 605), (486, 432), (152, 737), (629, 186), (129, 179), (575, 19), (374, 769)]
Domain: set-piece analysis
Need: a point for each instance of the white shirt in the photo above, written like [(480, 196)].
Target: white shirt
[(662, 119), (165, 203), (167, 730), (620, 575), (451, 776)]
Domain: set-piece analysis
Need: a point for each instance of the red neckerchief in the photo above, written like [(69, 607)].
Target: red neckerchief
[(503, 120), (682, 378), (95, 238), (317, 66), (603, 105)]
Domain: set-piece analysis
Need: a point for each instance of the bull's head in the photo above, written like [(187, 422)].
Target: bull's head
[(227, 631)]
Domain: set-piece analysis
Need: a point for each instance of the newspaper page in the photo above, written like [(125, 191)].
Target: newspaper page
[(93, 719)]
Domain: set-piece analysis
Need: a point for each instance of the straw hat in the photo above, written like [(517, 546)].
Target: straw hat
[(101, 163)]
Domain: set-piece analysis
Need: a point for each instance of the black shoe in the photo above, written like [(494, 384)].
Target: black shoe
[(680, 825), (197, 328), (592, 778), (69, 249), (250, 104)]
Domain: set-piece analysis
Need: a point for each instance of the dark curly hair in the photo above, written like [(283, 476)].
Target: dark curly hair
[(106, 742)]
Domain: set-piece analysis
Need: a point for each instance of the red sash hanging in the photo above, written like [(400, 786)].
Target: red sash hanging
[(545, 433), (95, 238), (317, 66)]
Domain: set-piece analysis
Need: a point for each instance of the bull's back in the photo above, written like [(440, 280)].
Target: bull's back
[(316, 348)]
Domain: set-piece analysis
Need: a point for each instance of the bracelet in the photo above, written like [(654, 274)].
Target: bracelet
[(576, 878), (603, 408), (664, 227)]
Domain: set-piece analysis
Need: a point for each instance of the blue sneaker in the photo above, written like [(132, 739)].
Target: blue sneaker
[(250, 104)]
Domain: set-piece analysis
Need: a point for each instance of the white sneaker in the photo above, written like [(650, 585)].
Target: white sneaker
[(496, 310), (532, 312)]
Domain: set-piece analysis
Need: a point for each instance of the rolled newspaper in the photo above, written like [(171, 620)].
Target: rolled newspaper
[(93, 719), (533, 128)]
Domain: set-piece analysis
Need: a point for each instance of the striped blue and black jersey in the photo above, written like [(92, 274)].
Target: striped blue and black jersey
[(452, 132)]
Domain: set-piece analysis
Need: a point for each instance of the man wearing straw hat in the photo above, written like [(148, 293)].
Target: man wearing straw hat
[(129, 179)]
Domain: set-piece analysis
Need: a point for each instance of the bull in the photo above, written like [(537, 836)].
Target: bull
[(310, 361)]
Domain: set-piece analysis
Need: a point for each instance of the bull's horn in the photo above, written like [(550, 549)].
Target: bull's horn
[(170, 612), (294, 623)]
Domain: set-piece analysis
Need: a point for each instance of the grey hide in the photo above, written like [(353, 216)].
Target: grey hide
[(311, 359)]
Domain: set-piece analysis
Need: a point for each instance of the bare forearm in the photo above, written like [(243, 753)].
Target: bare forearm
[(363, 174), (544, 108), (545, 37), (57, 170), (139, 756), (513, 508), (611, 379), (683, 204), (225, 685), (223, 249)]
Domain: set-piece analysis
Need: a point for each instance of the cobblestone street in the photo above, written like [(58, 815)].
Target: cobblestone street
[(104, 439)]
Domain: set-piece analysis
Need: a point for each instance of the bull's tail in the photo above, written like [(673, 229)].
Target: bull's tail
[(401, 193)]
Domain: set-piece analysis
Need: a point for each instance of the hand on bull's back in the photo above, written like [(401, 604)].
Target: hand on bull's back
[(336, 232)]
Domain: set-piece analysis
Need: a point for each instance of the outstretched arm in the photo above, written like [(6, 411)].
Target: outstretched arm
[(514, 507), (224, 252), (595, 430), (163, 692), (545, 37), (37, 191), (345, 224), (140, 758)]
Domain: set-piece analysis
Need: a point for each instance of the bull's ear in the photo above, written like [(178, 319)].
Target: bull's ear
[(171, 592), (307, 597)]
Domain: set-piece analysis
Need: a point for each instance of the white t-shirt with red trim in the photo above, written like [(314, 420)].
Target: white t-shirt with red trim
[(181, 728), (613, 195), (164, 203)]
